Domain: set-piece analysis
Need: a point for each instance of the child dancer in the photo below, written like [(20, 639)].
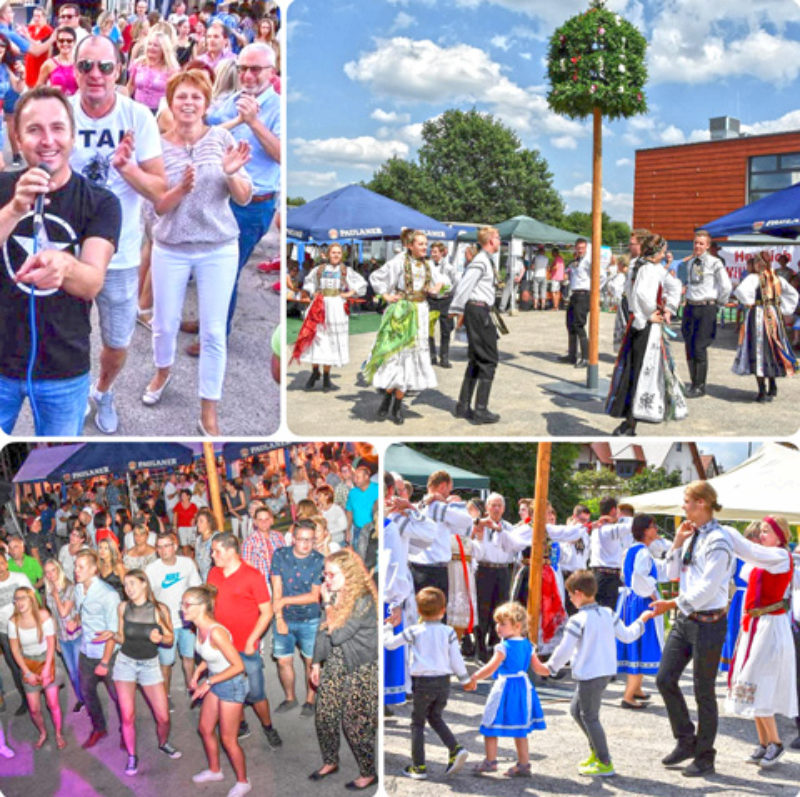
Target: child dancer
[(433, 657), (513, 707), (589, 642)]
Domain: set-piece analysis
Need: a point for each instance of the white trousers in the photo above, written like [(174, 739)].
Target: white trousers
[(215, 274)]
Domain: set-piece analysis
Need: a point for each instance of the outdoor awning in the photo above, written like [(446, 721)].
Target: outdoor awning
[(777, 214), (40, 462), (233, 451), (416, 467), (529, 230)]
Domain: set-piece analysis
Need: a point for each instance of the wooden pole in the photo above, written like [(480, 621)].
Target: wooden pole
[(592, 379), (543, 451), (213, 484)]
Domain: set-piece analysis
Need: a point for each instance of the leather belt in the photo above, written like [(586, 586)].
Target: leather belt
[(609, 571), (704, 303), (254, 200), (579, 290), (494, 565), (781, 607), (416, 296), (330, 292), (479, 304), (708, 617)]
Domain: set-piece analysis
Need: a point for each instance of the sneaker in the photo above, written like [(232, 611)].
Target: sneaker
[(171, 705), (240, 789), (587, 764), (244, 729), (77, 707), (133, 765), (758, 753), (207, 776), (286, 705), (600, 769), (170, 751), (273, 738), (416, 772), (457, 759), (106, 418), (6, 751), (22, 710), (770, 758), (308, 710)]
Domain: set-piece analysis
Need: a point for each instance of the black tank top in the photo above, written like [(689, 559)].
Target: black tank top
[(138, 622)]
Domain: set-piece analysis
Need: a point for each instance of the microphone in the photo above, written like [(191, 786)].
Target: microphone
[(41, 241)]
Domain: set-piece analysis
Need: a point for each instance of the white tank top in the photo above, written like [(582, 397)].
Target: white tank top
[(212, 656)]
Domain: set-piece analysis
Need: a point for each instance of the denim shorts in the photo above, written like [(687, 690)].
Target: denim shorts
[(117, 303), (234, 690), (254, 670), (183, 642), (302, 633), (145, 672)]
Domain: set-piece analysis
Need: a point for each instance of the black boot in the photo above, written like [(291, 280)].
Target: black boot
[(444, 353), (432, 348), (698, 389), (326, 381), (690, 364), (313, 379), (572, 355), (481, 413), (583, 361), (463, 408), (761, 398), (386, 402), (397, 411), (772, 392)]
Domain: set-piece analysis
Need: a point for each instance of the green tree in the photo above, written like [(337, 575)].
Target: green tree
[(471, 167), (295, 201), (614, 232)]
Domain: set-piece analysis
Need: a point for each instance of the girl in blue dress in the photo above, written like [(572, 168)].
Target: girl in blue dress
[(641, 576), (513, 708)]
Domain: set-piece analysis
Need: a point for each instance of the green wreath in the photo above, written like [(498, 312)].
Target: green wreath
[(597, 60)]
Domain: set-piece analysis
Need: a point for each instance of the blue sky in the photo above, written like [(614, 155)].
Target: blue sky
[(363, 76), (729, 455)]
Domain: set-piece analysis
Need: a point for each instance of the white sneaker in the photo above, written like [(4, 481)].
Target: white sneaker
[(6, 751), (240, 789), (207, 776)]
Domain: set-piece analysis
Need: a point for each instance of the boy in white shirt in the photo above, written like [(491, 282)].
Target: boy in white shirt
[(434, 656), (589, 641)]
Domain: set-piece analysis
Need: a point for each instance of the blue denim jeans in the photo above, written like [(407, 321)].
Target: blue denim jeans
[(70, 651), (61, 404), (253, 221)]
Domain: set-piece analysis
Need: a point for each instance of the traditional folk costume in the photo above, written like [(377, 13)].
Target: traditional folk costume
[(734, 618), (513, 708), (640, 577), (324, 335), (474, 298), (644, 384), (762, 681), (400, 359), (764, 348), (439, 311), (462, 598)]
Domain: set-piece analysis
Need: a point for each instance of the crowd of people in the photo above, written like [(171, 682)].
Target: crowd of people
[(456, 585), (114, 582), (161, 163)]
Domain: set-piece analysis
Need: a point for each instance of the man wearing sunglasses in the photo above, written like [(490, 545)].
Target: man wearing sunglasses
[(117, 146), (70, 16), (259, 108)]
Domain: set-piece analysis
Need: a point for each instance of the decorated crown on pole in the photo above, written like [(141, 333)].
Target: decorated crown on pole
[(597, 60)]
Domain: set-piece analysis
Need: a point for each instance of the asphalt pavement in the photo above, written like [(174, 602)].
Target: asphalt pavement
[(536, 395)]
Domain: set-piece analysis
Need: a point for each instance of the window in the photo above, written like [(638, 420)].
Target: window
[(626, 468), (770, 173)]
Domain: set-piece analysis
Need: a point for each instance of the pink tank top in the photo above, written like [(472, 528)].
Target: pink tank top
[(63, 77)]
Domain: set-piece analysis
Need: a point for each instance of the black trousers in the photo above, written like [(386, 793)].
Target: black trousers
[(493, 585), (430, 576), (482, 351), (430, 698), (577, 314), (699, 328), (700, 643), (89, 683), (608, 585), (442, 305), (569, 606)]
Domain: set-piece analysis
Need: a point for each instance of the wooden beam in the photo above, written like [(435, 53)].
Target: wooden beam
[(543, 452)]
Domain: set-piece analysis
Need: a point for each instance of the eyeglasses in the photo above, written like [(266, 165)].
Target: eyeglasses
[(65, 41), (256, 70), (85, 66), (186, 605)]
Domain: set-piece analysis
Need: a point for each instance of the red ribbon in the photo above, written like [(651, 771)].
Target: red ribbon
[(308, 331), (466, 582)]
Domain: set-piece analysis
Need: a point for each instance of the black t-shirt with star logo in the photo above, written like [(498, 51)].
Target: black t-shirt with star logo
[(76, 211)]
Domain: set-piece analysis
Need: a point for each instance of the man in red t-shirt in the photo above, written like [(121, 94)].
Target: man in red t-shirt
[(183, 520), (244, 607), (102, 530)]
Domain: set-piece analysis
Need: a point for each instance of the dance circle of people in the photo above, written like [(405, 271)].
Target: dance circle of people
[(458, 572), (184, 591)]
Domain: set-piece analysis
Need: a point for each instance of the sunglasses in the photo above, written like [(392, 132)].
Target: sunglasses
[(66, 16), (85, 66), (64, 41)]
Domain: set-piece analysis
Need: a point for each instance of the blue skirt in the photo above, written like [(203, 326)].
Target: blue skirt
[(394, 670), (734, 625), (513, 708), (643, 655)]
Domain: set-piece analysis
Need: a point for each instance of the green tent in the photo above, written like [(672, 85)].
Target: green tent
[(417, 467), (529, 230)]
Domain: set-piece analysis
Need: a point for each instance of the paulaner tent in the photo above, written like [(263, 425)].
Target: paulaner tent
[(775, 214), (416, 467), (767, 483)]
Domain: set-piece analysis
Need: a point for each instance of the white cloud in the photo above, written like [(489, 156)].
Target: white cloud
[(295, 96), (312, 179), (402, 21), (623, 162), (423, 71), (389, 117), (618, 206), (789, 121), (526, 56), (564, 142), (363, 152), (700, 135), (501, 42), (671, 135)]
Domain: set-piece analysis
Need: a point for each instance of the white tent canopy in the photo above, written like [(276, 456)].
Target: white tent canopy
[(767, 483)]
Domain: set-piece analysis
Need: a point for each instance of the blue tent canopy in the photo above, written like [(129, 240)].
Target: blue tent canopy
[(41, 462), (234, 451), (99, 459), (777, 214), (355, 212)]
